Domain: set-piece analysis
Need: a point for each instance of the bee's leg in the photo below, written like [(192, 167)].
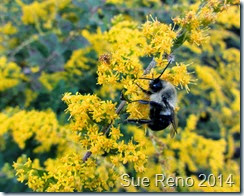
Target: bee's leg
[(143, 90), (123, 98), (139, 121), (152, 103), (141, 101)]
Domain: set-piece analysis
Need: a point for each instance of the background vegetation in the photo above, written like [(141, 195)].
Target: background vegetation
[(52, 49)]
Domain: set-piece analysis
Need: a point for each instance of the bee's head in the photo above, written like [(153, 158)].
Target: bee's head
[(156, 85)]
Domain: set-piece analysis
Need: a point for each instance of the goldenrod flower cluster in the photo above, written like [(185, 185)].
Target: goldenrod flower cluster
[(160, 38), (131, 4), (10, 74), (66, 174), (44, 11), (87, 113), (6, 36), (194, 24), (8, 29), (86, 108), (23, 125), (123, 64), (77, 62)]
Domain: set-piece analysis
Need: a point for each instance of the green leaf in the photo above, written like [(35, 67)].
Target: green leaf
[(181, 38), (50, 41)]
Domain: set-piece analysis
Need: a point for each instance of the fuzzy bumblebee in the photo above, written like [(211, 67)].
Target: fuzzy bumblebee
[(163, 98)]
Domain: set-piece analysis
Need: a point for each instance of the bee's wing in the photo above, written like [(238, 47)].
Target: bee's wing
[(174, 123), (173, 119)]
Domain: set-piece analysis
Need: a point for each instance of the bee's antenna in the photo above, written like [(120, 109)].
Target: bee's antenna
[(171, 58), (164, 70), (159, 75)]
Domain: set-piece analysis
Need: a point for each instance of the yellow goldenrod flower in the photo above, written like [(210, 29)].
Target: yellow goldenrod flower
[(8, 29), (77, 62), (46, 10), (10, 74)]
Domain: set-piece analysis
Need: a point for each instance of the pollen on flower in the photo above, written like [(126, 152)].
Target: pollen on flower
[(198, 37), (159, 37), (179, 76), (115, 133)]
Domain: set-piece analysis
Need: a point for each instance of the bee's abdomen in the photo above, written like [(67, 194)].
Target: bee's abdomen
[(159, 120), (161, 123)]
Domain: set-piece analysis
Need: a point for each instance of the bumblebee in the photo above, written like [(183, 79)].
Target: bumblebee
[(163, 98)]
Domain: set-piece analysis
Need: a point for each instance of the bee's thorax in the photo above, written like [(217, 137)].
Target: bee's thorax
[(168, 93)]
